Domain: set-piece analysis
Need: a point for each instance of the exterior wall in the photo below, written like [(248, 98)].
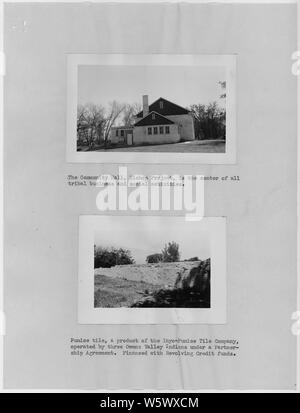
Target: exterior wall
[(140, 135), (114, 138), (119, 139), (186, 126)]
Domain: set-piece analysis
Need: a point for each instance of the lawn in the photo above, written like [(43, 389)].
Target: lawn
[(119, 292), (204, 146)]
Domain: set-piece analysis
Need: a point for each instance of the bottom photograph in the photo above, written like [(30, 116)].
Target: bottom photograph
[(141, 269)]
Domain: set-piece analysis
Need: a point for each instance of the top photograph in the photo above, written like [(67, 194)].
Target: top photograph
[(151, 108)]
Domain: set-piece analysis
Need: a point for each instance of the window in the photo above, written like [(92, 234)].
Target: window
[(155, 130), (149, 131), (161, 104), (122, 132), (167, 129), (153, 116), (117, 132), (161, 130)]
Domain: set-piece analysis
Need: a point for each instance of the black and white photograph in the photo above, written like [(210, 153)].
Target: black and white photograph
[(131, 278), (153, 108), (138, 263)]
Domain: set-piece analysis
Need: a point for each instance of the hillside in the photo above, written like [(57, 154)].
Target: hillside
[(157, 274), (153, 285)]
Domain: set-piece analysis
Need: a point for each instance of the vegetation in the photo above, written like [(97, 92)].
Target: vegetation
[(154, 258), (94, 122), (170, 252), (118, 292), (193, 259), (109, 257), (209, 121)]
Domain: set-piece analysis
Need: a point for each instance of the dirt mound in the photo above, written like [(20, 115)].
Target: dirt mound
[(163, 274), (191, 290)]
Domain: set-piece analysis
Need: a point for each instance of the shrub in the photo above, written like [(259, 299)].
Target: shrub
[(209, 121), (109, 257), (154, 258)]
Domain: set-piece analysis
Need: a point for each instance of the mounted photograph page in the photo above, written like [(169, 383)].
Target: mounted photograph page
[(150, 196)]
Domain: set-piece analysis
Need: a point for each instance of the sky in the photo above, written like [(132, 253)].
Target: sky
[(183, 85), (148, 235)]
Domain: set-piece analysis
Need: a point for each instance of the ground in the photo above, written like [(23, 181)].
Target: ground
[(204, 146), (123, 285), (118, 292)]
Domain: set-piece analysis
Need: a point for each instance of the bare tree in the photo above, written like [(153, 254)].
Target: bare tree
[(82, 122), (94, 122), (96, 116), (114, 111), (129, 112), (90, 123), (81, 113)]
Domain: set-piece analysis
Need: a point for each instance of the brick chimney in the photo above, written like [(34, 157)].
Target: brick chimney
[(145, 105)]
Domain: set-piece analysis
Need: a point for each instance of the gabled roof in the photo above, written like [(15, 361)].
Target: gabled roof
[(154, 118), (166, 108)]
